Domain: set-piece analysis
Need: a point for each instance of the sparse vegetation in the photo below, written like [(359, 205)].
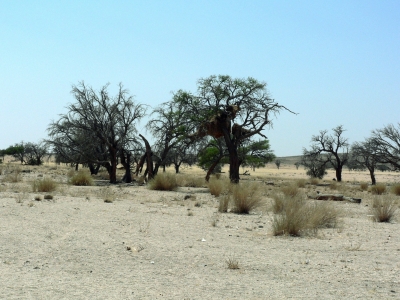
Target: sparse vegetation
[(314, 180), (383, 209), (290, 190), (218, 186), (224, 203), (82, 178), (232, 263), (163, 182), (396, 189), (364, 186), (378, 189), (12, 174), (301, 183), (190, 181), (44, 185)]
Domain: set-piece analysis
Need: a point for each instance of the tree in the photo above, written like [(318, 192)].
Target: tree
[(278, 163), (34, 153), (212, 157), (314, 163), (335, 146), (169, 126), (297, 164), (364, 154), (255, 154), (221, 100), (16, 151), (386, 141), (98, 127)]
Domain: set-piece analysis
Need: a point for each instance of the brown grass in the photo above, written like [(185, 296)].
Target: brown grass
[(378, 189), (364, 186), (301, 183), (395, 189), (314, 181), (12, 174), (190, 181), (290, 190), (44, 185), (82, 178), (218, 186), (224, 203), (163, 182), (383, 209), (245, 197)]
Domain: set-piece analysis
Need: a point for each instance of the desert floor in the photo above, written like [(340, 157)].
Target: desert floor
[(158, 245)]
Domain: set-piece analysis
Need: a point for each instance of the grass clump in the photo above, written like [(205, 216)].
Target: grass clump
[(245, 197), (364, 186), (378, 189), (12, 174), (218, 186), (224, 203), (44, 185), (383, 209), (291, 190), (301, 183), (190, 181), (163, 182), (314, 180), (81, 178), (396, 189), (232, 263)]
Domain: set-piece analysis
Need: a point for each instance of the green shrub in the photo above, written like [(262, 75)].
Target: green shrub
[(378, 189), (81, 178), (44, 185), (383, 209), (245, 197), (396, 189), (163, 182)]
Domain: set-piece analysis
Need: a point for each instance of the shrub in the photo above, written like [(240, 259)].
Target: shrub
[(44, 185), (163, 182), (378, 189), (364, 186), (81, 178), (396, 189), (383, 209), (245, 197), (218, 186)]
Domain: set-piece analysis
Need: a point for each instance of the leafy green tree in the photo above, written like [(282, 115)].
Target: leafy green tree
[(255, 154), (221, 101), (212, 157), (314, 163), (16, 151)]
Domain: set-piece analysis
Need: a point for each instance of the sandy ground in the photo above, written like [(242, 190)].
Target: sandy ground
[(157, 245)]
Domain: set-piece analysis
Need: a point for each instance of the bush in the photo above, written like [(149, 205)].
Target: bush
[(44, 185), (383, 209), (396, 189), (163, 182), (245, 197), (81, 178), (378, 189), (364, 186)]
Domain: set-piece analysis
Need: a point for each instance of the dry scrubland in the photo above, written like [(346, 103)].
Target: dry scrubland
[(60, 241)]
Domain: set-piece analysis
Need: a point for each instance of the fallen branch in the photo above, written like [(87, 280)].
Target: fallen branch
[(335, 197)]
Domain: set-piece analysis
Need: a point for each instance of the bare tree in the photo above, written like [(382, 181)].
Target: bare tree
[(99, 119), (364, 154), (335, 146), (222, 100), (387, 144)]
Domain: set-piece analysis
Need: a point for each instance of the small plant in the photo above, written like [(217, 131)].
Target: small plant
[(224, 203), (81, 178), (301, 183), (383, 209), (278, 203), (396, 189), (232, 263), (197, 204), (364, 186), (378, 189), (48, 197), (334, 185), (245, 197), (323, 215), (44, 185), (163, 182), (291, 190)]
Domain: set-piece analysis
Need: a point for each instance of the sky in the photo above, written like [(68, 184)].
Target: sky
[(332, 62)]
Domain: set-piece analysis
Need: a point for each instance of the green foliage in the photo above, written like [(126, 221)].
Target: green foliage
[(208, 156), (255, 154), (314, 164)]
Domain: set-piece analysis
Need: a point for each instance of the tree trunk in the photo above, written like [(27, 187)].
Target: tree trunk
[(372, 174), (339, 174), (177, 168), (211, 169), (234, 166), (149, 159), (113, 168), (163, 169), (126, 162)]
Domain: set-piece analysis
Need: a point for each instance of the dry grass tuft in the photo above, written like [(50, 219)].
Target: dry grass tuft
[(383, 209), (396, 189), (48, 197), (290, 190), (163, 182), (190, 181), (364, 186), (82, 178), (232, 263), (245, 197), (314, 180), (378, 189), (218, 186), (44, 185), (224, 203), (301, 183), (12, 174)]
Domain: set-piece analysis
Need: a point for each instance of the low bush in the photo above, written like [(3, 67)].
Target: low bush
[(81, 178), (396, 189), (163, 182), (383, 209), (245, 197), (378, 189), (44, 185)]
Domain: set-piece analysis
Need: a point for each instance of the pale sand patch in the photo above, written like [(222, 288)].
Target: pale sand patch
[(144, 245)]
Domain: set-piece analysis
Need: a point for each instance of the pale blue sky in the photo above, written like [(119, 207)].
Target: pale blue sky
[(333, 62)]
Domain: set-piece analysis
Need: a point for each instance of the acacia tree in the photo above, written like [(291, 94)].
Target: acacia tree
[(222, 100), (335, 146), (386, 141), (96, 118), (364, 154), (314, 163), (255, 154)]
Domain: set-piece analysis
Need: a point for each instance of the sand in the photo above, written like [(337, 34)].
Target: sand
[(157, 245)]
